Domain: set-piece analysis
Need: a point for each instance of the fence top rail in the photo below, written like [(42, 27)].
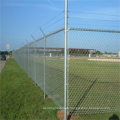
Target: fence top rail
[(48, 35), (42, 38), (77, 29), (95, 30)]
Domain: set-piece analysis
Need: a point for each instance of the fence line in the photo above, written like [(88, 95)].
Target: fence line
[(77, 67), (95, 30)]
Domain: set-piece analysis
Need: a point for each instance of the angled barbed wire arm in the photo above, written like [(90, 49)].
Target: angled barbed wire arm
[(44, 56), (32, 37), (42, 31)]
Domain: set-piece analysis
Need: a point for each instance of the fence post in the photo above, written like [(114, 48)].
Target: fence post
[(23, 52), (28, 61), (34, 58), (28, 58), (65, 61), (44, 57)]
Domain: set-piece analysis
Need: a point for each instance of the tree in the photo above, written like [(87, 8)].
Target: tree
[(98, 52), (106, 52)]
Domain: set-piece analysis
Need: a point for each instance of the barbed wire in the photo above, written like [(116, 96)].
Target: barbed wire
[(52, 19), (95, 13), (54, 23), (55, 27), (93, 19), (46, 23), (93, 25)]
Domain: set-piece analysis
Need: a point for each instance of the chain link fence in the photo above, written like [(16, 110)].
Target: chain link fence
[(93, 68), (94, 72), (43, 60)]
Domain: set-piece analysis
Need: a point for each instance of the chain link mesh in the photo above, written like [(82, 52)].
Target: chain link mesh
[(54, 65), (93, 78), (48, 51), (94, 71)]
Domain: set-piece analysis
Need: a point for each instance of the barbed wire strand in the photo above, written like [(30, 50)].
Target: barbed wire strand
[(92, 25), (96, 13), (52, 19), (54, 22), (93, 19)]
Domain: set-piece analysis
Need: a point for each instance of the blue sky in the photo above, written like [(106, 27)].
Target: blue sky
[(21, 18)]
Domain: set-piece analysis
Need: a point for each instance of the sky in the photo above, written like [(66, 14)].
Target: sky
[(21, 18)]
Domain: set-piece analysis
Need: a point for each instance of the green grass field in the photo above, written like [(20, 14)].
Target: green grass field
[(22, 99), (104, 94), (102, 97)]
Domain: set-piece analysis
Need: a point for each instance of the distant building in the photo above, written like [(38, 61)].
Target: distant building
[(119, 54), (78, 51), (72, 51)]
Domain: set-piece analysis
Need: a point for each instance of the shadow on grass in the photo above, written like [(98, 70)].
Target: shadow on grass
[(114, 117), (81, 99)]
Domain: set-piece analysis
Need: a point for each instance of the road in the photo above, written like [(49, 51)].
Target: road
[(2, 63)]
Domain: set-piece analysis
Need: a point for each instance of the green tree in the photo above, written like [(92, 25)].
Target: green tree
[(98, 52), (106, 52)]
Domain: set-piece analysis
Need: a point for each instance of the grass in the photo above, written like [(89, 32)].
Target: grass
[(104, 93), (103, 96), (20, 98), (99, 116)]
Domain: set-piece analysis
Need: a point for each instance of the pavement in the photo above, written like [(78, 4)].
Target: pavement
[(2, 63)]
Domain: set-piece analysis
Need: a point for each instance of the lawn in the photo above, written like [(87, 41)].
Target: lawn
[(20, 97), (103, 97), (104, 94)]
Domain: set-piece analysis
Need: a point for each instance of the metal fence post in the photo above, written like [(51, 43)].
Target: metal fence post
[(44, 58), (35, 63), (28, 61), (28, 58), (65, 61), (35, 58), (23, 62)]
